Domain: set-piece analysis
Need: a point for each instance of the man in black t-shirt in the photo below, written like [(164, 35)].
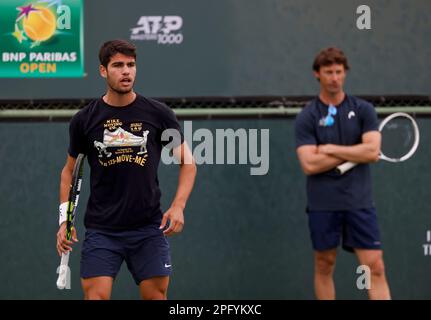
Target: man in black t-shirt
[(331, 129), (121, 135)]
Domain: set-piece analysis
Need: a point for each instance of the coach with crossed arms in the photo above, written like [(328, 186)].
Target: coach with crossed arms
[(332, 129)]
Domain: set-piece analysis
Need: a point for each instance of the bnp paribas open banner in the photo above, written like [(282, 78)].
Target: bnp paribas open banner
[(41, 38)]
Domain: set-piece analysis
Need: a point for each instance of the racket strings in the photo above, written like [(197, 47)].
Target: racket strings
[(398, 138)]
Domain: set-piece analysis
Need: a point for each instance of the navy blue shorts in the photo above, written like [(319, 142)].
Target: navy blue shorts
[(145, 250), (358, 229)]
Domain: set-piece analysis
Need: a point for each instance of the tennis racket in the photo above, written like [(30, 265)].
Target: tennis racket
[(400, 139), (75, 189)]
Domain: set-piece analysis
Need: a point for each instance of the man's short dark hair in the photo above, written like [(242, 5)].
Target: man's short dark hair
[(112, 47), (330, 56)]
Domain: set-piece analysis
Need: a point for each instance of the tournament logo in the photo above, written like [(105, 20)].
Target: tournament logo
[(160, 29), (41, 38)]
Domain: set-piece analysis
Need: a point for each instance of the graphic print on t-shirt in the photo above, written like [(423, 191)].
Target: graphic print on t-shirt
[(117, 143)]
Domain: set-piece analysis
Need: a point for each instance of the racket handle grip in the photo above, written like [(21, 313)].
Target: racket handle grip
[(63, 271), (344, 167)]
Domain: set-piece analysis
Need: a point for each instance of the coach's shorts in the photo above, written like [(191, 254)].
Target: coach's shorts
[(145, 250), (358, 229)]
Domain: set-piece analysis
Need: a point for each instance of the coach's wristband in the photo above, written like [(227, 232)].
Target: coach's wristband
[(62, 213)]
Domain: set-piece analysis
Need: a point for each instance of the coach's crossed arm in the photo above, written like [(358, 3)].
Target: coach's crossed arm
[(367, 151), (314, 162)]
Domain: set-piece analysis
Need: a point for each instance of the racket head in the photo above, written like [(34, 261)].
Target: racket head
[(400, 137)]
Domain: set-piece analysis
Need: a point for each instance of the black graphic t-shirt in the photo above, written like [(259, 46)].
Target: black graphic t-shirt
[(123, 147)]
